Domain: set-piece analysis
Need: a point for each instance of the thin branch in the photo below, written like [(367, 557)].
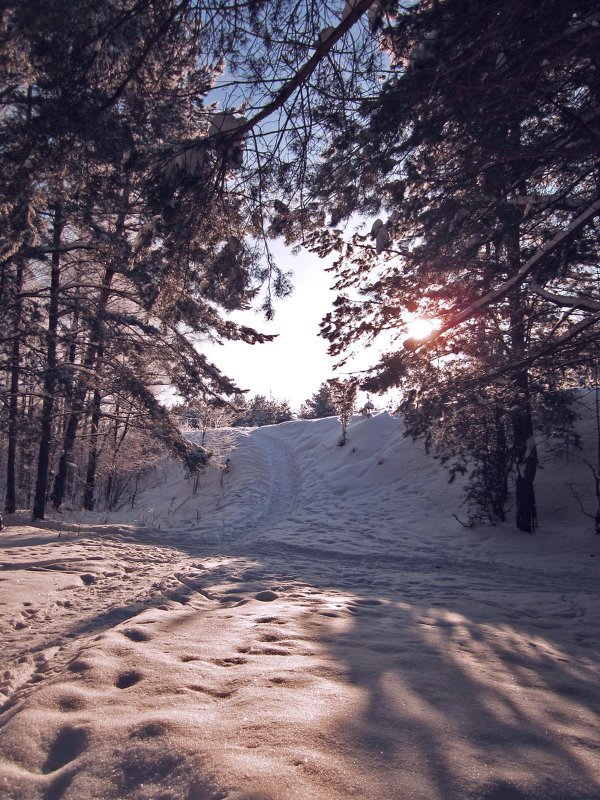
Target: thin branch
[(303, 74), (517, 279), (570, 301)]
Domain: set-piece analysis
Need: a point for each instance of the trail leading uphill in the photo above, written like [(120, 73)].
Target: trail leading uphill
[(312, 624), (260, 488)]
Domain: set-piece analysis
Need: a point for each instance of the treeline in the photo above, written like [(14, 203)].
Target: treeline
[(204, 413), (134, 212), (241, 412)]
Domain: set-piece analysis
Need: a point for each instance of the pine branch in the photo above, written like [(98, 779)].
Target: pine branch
[(570, 301), (516, 280), (303, 74)]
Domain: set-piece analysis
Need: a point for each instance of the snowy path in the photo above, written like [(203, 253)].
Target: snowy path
[(273, 475), (314, 626), (259, 489)]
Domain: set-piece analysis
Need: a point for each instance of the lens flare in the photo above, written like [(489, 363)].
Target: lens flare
[(421, 328)]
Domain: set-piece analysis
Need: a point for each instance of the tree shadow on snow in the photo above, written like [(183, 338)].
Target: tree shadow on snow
[(481, 701)]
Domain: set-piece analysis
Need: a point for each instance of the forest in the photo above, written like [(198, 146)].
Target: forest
[(446, 152)]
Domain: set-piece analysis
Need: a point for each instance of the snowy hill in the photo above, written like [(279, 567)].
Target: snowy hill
[(295, 475), (292, 483), (314, 624)]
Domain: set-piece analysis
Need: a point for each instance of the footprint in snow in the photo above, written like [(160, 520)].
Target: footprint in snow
[(232, 661), (70, 743), (127, 679), (266, 596), (137, 635)]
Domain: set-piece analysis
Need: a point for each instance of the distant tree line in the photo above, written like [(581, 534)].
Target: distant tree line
[(240, 413), (206, 413)]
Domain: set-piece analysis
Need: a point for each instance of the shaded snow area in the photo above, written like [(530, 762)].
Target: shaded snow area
[(311, 624)]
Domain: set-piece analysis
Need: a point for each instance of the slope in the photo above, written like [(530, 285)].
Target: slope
[(311, 624)]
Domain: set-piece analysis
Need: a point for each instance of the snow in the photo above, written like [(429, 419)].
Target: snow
[(222, 122), (373, 13), (313, 624), (190, 161), (325, 34), (375, 227), (348, 8), (379, 232), (501, 60), (422, 53), (145, 234)]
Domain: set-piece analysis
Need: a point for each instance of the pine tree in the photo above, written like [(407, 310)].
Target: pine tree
[(261, 410), (96, 177), (479, 157), (166, 201), (320, 405)]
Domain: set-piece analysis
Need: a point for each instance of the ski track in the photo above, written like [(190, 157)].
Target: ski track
[(314, 545), (279, 490), (258, 490)]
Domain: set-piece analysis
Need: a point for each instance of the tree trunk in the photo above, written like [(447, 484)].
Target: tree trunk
[(10, 504), (90, 476), (70, 434), (526, 463), (524, 447), (41, 484), (81, 389), (501, 466), (81, 386)]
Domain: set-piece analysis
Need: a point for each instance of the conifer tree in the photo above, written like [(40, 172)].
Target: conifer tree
[(320, 405), (479, 156), (261, 410), (164, 204)]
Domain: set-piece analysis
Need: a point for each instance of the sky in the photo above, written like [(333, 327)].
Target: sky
[(294, 365)]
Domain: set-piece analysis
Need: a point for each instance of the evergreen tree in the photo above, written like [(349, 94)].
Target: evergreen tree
[(261, 410), (163, 203), (320, 405), (480, 156)]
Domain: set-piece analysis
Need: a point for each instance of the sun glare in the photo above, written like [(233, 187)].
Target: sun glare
[(421, 328)]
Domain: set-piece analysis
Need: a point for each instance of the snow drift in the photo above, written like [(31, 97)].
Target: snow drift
[(312, 623)]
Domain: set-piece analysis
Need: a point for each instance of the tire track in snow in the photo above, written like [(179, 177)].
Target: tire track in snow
[(260, 489)]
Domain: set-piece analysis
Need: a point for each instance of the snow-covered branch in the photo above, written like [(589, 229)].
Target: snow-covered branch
[(352, 14), (80, 244), (569, 301)]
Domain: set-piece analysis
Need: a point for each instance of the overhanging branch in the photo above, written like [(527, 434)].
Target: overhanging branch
[(565, 300), (517, 279), (303, 74)]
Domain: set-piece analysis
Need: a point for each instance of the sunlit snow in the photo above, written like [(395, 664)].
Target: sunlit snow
[(314, 623)]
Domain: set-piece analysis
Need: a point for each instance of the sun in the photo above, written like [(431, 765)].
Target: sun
[(420, 328)]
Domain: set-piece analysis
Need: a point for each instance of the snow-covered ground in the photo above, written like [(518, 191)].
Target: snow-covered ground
[(312, 624)]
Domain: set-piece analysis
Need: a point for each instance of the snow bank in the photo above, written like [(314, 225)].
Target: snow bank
[(311, 624)]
